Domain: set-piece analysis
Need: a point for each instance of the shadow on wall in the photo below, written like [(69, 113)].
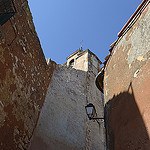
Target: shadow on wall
[(126, 129)]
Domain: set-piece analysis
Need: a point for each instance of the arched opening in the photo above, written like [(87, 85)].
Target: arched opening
[(71, 63)]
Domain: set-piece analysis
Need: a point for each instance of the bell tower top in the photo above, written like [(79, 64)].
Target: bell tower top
[(84, 60)]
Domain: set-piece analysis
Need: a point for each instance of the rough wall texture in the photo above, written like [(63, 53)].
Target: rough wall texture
[(24, 78), (85, 61), (63, 123), (127, 90)]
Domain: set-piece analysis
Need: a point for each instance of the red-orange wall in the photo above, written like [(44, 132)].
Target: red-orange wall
[(24, 78), (127, 89)]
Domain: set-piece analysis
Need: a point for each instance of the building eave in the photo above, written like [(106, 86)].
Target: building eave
[(77, 51), (133, 16)]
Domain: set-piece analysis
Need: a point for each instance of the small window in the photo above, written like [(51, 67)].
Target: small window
[(71, 63), (7, 10)]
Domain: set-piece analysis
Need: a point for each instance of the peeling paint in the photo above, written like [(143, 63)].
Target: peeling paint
[(127, 89), (21, 98), (141, 58)]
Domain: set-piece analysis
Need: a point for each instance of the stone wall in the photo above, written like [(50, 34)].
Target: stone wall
[(24, 78), (127, 90), (63, 123)]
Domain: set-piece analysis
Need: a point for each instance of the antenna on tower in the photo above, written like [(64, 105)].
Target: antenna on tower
[(81, 45)]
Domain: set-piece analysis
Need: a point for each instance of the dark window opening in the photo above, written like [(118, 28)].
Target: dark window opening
[(7, 10), (71, 63)]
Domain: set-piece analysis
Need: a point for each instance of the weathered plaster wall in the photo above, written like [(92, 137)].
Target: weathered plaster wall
[(127, 90), (63, 123), (24, 78), (85, 60), (81, 63)]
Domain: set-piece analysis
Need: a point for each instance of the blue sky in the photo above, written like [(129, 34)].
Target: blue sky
[(62, 24)]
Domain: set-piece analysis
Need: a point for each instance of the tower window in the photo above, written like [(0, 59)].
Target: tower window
[(71, 63)]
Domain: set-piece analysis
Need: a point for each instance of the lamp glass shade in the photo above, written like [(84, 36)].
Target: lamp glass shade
[(90, 110)]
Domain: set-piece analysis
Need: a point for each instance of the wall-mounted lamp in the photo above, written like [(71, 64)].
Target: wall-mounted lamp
[(91, 112)]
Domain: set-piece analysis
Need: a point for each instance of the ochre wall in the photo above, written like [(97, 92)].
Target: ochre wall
[(127, 90), (24, 78)]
